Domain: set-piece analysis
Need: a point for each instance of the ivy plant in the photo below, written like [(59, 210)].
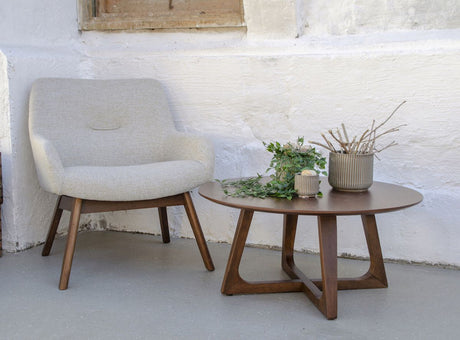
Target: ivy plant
[(287, 160)]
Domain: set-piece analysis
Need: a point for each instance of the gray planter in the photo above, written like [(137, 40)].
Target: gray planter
[(306, 186), (351, 172)]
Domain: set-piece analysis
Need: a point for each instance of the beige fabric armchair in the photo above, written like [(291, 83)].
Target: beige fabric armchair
[(105, 145)]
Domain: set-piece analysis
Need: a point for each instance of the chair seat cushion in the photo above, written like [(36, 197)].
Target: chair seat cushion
[(133, 182)]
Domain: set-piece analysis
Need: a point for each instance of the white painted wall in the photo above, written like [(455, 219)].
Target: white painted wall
[(353, 61)]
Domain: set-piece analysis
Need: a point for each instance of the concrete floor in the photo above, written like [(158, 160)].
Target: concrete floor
[(131, 286)]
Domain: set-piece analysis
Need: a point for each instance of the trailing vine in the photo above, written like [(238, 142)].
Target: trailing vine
[(287, 160)]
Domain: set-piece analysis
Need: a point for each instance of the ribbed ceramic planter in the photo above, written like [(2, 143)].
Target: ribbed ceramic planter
[(306, 186), (351, 172)]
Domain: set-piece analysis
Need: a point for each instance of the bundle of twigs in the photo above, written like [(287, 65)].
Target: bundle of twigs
[(363, 144)]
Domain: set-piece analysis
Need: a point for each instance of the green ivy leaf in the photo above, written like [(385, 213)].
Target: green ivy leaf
[(287, 160)]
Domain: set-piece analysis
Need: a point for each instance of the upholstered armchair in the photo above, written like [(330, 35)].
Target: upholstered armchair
[(105, 145)]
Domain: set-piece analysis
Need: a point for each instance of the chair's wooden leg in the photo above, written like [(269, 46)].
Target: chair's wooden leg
[(197, 231), (53, 228), (1, 247), (70, 247), (164, 224)]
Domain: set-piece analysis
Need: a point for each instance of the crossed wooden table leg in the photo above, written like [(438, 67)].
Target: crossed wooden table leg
[(322, 292)]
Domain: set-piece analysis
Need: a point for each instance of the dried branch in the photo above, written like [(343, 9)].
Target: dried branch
[(366, 143), (393, 143), (391, 115), (333, 136), (372, 131), (363, 136), (342, 142), (345, 133), (372, 147), (339, 140), (353, 145), (322, 145), (331, 146), (395, 129)]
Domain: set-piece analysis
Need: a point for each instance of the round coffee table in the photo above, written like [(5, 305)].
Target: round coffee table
[(380, 198)]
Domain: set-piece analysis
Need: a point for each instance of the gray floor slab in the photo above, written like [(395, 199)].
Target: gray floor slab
[(131, 286)]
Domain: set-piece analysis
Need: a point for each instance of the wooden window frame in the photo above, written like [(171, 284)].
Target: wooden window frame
[(89, 20)]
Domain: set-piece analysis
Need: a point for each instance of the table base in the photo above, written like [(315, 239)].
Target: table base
[(322, 292)]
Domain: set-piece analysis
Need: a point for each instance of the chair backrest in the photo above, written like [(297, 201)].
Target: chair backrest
[(101, 122)]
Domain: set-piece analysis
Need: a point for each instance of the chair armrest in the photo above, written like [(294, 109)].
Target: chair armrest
[(49, 166), (181, 146)]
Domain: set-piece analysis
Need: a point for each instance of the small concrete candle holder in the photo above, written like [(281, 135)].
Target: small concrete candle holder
[(307, 183)]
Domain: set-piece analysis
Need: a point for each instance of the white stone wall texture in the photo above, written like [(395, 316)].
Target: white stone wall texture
[(300, 68)]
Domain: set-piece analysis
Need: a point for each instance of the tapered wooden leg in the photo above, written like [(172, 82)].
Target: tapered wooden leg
[(232, 279), (164, 224), (287, 253), (375, 277), (198, 232), (233, 283), (322, 292), (52, 229), (377, 267), (70, 247), (327, 228), (324, 299)]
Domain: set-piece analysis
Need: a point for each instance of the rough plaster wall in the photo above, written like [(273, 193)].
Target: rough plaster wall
[(241, 88), (5, 147), (339, 17), (31, 205), (37, 43), (302, 95), (4, 99), (260, 16)]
